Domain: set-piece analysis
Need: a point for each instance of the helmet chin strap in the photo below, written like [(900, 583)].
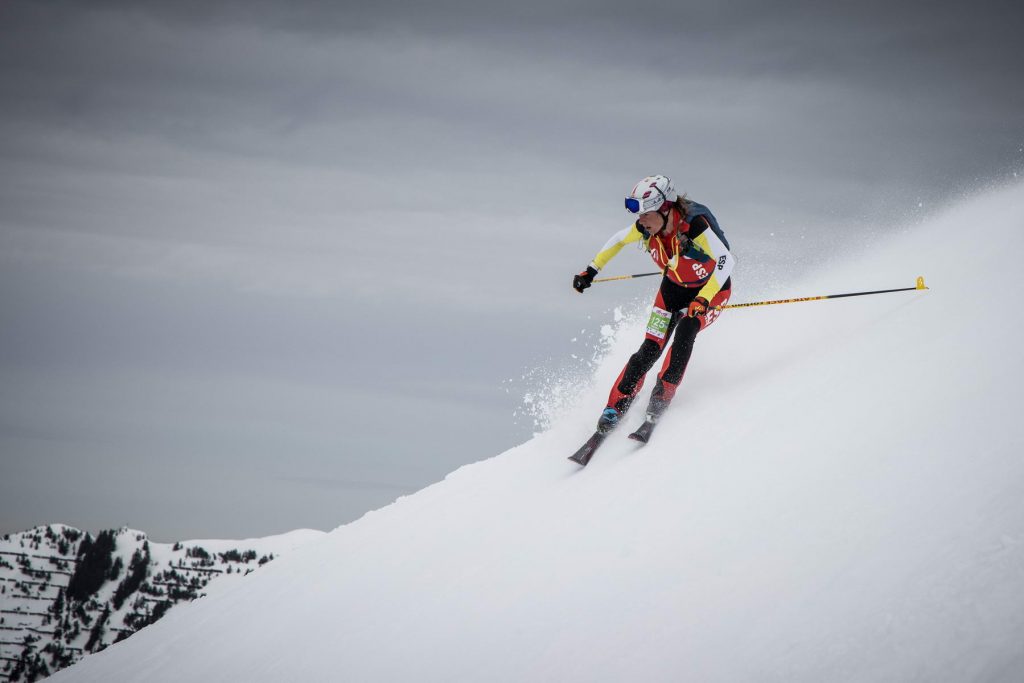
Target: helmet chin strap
[(664, 220)]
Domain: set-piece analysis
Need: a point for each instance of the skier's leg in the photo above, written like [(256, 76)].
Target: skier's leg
[(678, 357), (631, 379), (674, 367)]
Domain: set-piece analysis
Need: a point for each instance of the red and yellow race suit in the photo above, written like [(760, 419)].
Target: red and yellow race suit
[(696, 262)]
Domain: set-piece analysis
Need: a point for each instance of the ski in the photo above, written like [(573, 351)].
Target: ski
[(586, 451), (643, 432)]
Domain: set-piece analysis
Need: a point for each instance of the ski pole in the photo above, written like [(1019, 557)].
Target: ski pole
[(920, 285), (625, 277)]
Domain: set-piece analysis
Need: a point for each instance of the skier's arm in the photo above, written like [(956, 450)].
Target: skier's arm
[(614, 245), (722, 259)]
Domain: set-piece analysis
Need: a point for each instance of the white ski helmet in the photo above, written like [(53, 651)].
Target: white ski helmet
[(650, 194)]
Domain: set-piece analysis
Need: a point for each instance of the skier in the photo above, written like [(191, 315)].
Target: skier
[(687, 244)]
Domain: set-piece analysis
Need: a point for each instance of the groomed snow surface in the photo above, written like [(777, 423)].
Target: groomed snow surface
[(837, 494)]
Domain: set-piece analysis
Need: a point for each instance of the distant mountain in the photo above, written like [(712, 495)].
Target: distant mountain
[(65, 593)]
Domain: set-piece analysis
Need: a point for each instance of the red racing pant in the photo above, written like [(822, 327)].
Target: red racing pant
[(668, 315)]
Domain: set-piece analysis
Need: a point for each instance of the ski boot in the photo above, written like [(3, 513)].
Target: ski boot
[(608, 421), (655, 408)]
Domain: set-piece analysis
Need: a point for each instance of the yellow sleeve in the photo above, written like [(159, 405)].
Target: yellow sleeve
[(722, 259), (615, 244)]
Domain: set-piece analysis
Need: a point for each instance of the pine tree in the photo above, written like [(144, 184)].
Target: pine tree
[(94, 565), (115, 570), (133, 579), (96, 635)]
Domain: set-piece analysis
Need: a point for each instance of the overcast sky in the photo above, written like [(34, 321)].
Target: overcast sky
[(270, 265)]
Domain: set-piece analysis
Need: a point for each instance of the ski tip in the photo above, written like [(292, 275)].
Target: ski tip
[(638, 437)]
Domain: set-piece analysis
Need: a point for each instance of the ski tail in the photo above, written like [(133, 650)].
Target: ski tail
[(643, 432)]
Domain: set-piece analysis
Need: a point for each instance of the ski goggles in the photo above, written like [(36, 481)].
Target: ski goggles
[(651, 201)]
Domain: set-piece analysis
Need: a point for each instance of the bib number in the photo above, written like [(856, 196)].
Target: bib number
[(657, 325)]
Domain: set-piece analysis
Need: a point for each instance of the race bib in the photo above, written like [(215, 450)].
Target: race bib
[(657, 325)]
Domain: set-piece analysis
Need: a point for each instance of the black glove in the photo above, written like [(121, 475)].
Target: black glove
[(582, 280)]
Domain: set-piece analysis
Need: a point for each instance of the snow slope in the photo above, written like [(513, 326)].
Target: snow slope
[(837, 494)]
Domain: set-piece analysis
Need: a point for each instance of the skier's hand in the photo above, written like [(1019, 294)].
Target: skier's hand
[(583, 279), (698, 307)]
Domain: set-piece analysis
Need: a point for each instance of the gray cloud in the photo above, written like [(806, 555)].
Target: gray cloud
[(242, 235)]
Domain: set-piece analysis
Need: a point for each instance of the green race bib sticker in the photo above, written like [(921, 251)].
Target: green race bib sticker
[(658, 323)]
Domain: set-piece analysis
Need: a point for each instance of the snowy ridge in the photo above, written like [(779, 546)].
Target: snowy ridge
[(65, 593), (836, 494)]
